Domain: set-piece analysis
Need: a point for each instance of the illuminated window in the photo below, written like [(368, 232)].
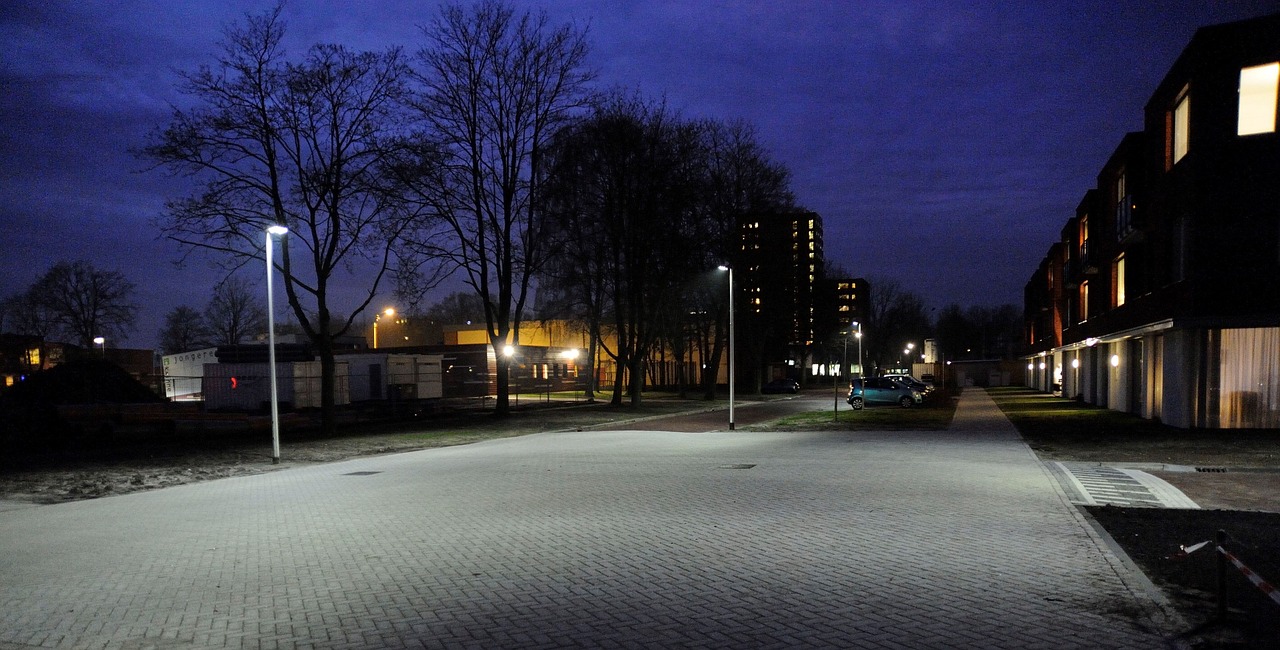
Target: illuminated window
[(1181, 127), (1084, 301), (1084, 239), (1119, 281), (1258, 87)]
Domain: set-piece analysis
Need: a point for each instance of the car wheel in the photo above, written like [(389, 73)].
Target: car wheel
[(856, 403), (906, 402)]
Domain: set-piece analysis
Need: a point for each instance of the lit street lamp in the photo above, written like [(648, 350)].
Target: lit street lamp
[(388, 312), (276, 230), (844, 360), (101, 343), (725, 267), (859, 337)]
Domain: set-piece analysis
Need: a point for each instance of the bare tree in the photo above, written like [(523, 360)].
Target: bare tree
[(742, 180), (495, 85), (26, 314), (83, 302), (895, 317), (458, 308), (623, 188), (234, 313), (299, 144), (184, 329)]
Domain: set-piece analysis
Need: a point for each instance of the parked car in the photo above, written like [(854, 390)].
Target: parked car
[(912, 382), (782, 385), (882, 390)]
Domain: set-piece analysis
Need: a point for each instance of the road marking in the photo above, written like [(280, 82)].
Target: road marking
[(1097, 485)]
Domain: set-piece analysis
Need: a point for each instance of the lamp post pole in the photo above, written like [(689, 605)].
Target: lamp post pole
[(731, 343), (388, 312), (859, 335), (271, 347), (102, 344)]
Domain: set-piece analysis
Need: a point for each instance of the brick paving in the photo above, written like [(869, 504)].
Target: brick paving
[(955, 539)]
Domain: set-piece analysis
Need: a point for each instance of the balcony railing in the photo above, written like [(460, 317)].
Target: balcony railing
[(1124, 217)]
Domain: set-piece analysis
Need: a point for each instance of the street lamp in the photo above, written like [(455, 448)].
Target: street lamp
[(388, 312), (858, 335), (276, 230), (844, 359), (101, 343), (726, 267)]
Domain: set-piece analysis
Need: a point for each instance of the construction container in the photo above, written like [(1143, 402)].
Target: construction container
[(394, 376), (247, 386)]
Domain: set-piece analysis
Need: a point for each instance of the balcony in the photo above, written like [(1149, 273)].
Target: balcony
[(1087, 265), (1126, 229)]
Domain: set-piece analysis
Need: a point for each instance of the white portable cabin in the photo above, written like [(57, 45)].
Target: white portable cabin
[(184, 373), (247, 386), (394, 376)]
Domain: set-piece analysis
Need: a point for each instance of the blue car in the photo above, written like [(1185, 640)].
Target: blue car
[(882, 390)]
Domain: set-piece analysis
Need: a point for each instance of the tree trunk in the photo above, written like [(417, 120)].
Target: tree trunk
[(328, 416), (502, 401)]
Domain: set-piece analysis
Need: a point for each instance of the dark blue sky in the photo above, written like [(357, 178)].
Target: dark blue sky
[(944, 143)]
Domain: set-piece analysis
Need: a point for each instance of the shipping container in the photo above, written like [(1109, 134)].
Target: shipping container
[(184, 373), (394, 376), (247, 386)]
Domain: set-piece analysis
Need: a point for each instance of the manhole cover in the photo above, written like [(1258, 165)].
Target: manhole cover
[(361, 473), (738, 466)]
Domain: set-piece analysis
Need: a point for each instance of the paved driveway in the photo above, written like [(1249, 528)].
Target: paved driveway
[(629, 538)]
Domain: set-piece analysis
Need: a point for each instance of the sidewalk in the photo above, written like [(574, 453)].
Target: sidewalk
[(956, 539)]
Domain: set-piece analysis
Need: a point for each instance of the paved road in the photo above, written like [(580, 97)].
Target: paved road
[(956, 539)]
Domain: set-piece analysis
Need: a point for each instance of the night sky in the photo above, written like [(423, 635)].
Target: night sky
[(943, 143)]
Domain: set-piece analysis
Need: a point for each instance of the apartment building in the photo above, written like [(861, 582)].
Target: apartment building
[(778, 268), (1162, 295)]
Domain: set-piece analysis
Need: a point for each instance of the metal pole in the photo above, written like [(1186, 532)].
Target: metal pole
[(271, 349), (732, 375), (1221, 540), (861, 370), (835, 387)]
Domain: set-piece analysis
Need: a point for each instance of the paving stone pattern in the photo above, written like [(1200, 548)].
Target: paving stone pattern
[(956, 539)]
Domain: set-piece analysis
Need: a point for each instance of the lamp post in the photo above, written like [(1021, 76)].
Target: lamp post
[(388, 312), (844, 362), (858, 335), (276, 230), (101, 343), (726, 267)]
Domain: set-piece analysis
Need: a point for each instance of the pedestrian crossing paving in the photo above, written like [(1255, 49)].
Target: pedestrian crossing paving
[(1095, 484)]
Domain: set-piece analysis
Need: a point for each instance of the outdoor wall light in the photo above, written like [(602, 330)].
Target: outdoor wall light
[(1075, 363), (1115, 361)]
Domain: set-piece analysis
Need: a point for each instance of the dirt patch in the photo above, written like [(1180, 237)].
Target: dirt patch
[(1153, 539), (89, 468)]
